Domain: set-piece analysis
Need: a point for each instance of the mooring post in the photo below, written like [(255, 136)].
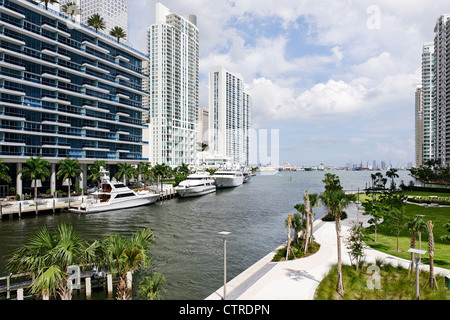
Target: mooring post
[(109, 284), (20, 294), (8, 285), (88, 287), (20, 209), (129, 280), (54, 205)]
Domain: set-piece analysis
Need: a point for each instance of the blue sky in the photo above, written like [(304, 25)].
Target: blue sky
[(336, 78)]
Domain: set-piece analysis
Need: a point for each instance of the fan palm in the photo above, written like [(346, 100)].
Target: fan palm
[(69, 169), (94, 171), (121, 255), (71, 9), (118, 33), (46, 2), (48, 257), (4, 176), (36, 169), (97, 22), (126, 171)]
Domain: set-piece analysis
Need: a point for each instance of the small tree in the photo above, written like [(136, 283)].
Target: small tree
[(377, 210), (46, 2), (68, 170), (151, 286), (4, 176), (431, 279), (118, 33), (97, 22), (396, 222), (355, 243)]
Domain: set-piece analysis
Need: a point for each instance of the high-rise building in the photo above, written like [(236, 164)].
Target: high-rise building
[(427, 103), (419, 126), (229, 116), (66, 91), (173, 49), (115, 12), (442, 87)]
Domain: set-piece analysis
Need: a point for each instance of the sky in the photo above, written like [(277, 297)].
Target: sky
[(335, 79)]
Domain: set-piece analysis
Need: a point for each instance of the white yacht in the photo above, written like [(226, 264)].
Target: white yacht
[(196, 184), (114, 196), (228, 178)]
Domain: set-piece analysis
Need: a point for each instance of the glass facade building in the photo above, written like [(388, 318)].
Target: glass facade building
[(66, 90)]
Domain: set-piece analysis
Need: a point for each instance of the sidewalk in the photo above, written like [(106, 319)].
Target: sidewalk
[(298, 279)]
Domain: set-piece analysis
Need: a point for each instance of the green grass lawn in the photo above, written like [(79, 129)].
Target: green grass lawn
[(439, 215), (395, 283)]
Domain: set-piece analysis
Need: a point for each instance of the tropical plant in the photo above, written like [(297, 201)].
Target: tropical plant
[(46, 2), (126, 171), (69, 169), (432, 278), (447, 227), (122, 255), (395, 221), (36, 169), (161, 171), (118, 33), (151, 286), (71, 8), (308, 219), (97, 22), (94, 171), (4, 176), (392, 174), (415, 225), (48, 255), (355, 243), (145, 169)]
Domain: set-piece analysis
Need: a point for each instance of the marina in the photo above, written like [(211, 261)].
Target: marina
[(187, 249)]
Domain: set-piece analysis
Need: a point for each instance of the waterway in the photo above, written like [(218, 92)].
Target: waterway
[(187, 249)]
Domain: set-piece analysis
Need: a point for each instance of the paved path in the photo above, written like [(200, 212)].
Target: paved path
[(298, 279)]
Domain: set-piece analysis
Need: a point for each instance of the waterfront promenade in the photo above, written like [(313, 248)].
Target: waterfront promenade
[(298, 279)]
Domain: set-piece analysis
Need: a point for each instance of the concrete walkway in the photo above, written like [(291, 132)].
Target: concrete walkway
[(298, 279)]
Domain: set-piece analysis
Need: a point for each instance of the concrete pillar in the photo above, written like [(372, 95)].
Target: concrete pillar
[(83, 179), (20, 294), (109, 283), (18, 179), (88, 287), (53, 178)]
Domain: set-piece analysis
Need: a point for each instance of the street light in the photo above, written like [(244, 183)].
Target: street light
[(224, 234), (417, 259)]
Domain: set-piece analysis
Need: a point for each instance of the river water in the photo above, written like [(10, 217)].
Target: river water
[(187, 249)]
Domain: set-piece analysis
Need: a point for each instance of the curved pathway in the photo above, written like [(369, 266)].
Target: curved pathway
[(298, 279)]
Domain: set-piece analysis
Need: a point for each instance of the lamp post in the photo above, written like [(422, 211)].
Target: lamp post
[(417, 260), (224, 234)]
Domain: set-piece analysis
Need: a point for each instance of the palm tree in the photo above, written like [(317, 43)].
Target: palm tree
[(97, 22), (46, 2), (126, 171), (145, 169), (118, 33), (432, 278), (392, 173), (308, 218), (71, 8), (36, 169), (94, 171), (338, 201), (4, 176), (161, 171), (121, 255), (415, 224), (48, 256), (313, 202), (69, 169), (151, 286)]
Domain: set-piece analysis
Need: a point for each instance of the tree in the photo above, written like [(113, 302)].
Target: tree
[(4, 176), (313, 202), (122, 255), (94, 171), (355, 243), (68, 170), (48, 255), (145, 169), (161, 171), (447, 227), (415, 225), (71, 8), (36, 169), (395, 221), (308, 218), (332, 183), (97, 22), (151, 286), (126, 171), (338, 201), (118, 33), (432, 278), (377, 210), (392, 173), (46, 2), (288, 227)]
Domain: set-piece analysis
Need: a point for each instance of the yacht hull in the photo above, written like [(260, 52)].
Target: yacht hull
[(118, 205), (228, 182), (195, 191)]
